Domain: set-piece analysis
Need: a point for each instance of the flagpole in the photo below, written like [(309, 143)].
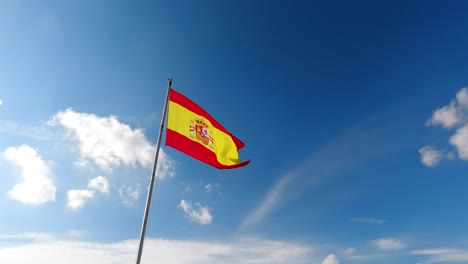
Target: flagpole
[(153, 174)]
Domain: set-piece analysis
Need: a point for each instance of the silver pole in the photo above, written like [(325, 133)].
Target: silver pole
[(150, 189)]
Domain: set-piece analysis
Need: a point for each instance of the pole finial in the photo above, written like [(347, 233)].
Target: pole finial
[(169, 81)]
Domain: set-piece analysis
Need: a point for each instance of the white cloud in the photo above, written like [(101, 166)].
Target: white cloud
[(388, 244), (443, 255), (331, 259), (110, 143), (452, 114), (1, 102), (129, 194), (447, 116), (165, 251), (36, 185), (460, 141), (100, 184), (430, 156), (196, 212), (462, 97), (77, 198), (369, 220), (350, 251), (211, 187)]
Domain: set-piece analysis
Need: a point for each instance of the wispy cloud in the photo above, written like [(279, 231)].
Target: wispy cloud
[(35, 236), (347, 151), (129, 194), (196, 212), (41, 132), (351, 253), (211, 187), (1, 102), (36, 185), (369, 220), (75, 233), (443, 255), (388, 244), (270, 202), (109, 143), (249, 250)]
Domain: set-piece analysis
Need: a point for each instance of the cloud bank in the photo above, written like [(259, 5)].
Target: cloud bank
[(165, 251), (443, 255)]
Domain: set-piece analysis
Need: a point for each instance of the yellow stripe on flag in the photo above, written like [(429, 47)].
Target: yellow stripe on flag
[(200, 130)]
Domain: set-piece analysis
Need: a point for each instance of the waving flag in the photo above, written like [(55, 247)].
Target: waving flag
[(193, 131)]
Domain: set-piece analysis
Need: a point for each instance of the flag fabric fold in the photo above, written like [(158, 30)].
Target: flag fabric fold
[(191, 130)]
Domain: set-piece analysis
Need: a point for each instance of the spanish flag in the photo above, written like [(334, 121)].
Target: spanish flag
[(193, 131)]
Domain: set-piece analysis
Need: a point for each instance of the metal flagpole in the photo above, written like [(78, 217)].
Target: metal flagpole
[(150, 189)]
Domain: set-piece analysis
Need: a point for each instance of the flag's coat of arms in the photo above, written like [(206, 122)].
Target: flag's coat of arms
[(199, 129)]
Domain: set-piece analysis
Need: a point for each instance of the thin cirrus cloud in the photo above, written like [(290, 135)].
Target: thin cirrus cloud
[(452, 116), (196, 212), (129, 194), (211, 187), (246, 250), (443, 255), (36, 185), (363, 142), (369, 220), (41, 132), (34, 236), (108, 143)]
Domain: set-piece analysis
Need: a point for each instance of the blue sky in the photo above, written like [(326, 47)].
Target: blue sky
[(355, 116)]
